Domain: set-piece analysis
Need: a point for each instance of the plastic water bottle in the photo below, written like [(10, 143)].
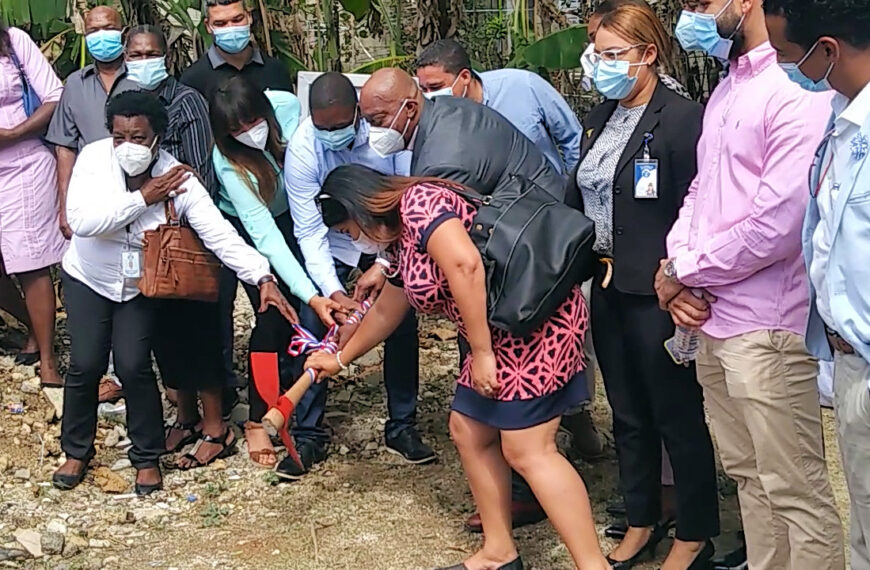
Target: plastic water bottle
[(683, 346)]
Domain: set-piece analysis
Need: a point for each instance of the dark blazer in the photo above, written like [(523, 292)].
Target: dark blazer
[(469, 143), (640, 226)]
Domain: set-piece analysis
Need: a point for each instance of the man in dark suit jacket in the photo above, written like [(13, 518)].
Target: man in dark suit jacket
[(460, 140), (452, 137)]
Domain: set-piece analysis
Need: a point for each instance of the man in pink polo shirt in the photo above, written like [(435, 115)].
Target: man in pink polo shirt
[(737, 243)]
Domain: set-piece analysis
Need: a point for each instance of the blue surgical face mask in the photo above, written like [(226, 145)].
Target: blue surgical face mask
[(793, 70), (233, 39), (104, 45), (612, 79), (148, 73), (700, 32), (338, 139)]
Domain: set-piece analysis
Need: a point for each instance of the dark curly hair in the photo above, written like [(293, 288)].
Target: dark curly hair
[(138, 104), (808, 20), (5, 42)]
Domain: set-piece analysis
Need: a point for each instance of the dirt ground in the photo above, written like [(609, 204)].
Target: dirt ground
[(361, 509)]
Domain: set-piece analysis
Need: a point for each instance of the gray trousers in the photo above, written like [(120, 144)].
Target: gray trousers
[(852, 409)]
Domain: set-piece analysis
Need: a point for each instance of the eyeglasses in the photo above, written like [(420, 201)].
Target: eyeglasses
[(612, 55)]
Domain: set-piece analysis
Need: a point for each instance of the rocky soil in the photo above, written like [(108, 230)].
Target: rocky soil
[(361, 509)]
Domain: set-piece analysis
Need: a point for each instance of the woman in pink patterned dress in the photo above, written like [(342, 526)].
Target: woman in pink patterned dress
[(30, 238), (511, 391)]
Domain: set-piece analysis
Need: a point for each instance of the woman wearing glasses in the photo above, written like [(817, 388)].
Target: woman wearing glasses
[(637, 162)]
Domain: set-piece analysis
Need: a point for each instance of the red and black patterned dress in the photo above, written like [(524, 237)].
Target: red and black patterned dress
[(537, 374)]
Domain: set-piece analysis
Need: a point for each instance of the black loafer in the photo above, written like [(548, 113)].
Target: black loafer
[(648, 551), (310, 452), (144, 489)]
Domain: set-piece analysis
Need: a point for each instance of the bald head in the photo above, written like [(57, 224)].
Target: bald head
[(390, 98), (103, 18)]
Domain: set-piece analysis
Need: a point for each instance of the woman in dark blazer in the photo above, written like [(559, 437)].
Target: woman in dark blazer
[(637, 162)]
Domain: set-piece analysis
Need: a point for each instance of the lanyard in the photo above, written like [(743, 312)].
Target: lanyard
[(823, 147)]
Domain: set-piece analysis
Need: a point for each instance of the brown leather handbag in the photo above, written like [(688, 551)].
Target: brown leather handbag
[(176, 265)]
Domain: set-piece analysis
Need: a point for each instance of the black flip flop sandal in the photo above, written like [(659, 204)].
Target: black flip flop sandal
[(228, 448)]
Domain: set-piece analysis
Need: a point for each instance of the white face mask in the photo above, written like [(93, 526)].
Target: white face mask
[(588, 65), (366, 245), (255, 137), (134, 158), (386, 141)]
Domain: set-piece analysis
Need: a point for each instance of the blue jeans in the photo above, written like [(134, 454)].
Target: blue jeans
[(401, 378)]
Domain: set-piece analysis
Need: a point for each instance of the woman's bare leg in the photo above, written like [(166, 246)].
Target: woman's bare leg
[(558, 487), (40, 299), (489, 478)]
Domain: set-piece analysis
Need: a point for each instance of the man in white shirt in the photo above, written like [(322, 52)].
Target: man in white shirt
[(825, 45), (333, 135)]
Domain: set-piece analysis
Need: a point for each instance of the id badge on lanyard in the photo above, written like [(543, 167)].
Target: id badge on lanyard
[(131, 261), (646, 173)]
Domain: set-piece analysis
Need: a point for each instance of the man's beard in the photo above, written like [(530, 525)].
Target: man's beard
[(731, 26)]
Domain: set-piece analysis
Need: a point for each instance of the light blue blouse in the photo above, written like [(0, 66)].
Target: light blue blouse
[(236, 199)]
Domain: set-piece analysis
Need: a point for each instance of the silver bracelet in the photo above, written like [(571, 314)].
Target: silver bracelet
[(338, 359)]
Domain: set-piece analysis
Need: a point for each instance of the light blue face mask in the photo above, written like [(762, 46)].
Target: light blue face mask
[(104, 45), (612, 80), (148, 73), (700, 32), (338, 139), (445, 91), (793, 70), (233, 39)]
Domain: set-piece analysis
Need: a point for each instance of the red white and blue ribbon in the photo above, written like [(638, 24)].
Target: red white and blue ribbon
[(304, 342)]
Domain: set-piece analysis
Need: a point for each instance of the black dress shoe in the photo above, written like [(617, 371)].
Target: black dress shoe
[(516, 564), (410, 447), (618, 529), (647, 551), (27, 358), (310, 452)]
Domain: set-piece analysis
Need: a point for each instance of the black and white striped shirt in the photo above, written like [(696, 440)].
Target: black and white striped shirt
[(189, 138)]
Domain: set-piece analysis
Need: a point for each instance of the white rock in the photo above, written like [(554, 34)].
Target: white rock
[(371, 446), (121, 464), (56, 525), (112, 439), (52, 542), (98, 543), (30, 540), (343, 450), (55, 396), (23, 474), (124, 443), (30, 386)]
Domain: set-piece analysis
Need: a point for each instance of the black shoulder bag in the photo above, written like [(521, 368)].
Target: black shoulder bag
[(534, 248)]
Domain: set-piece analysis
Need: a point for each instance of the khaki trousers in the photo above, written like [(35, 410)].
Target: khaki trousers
[(761, 395), (852, 408)]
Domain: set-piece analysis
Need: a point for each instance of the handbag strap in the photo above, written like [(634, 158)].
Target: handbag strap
[(24, 81), (171, 214)]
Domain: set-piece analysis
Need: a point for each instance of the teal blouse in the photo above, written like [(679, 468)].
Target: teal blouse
[(236, 199)]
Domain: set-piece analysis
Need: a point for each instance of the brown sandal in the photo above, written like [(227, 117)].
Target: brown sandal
[(257, 455)]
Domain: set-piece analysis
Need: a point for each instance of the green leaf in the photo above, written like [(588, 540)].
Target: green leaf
[(559, 50), (359, 8), (372, 66), (44, 12), (16, 13)]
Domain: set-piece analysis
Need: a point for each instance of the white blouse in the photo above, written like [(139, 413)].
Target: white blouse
[(107, 219)]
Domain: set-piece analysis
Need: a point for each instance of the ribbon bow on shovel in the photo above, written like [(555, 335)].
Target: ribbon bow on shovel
[(267, 380)]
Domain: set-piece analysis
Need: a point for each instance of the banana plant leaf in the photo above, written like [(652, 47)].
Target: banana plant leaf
[(559, 50), (372, 66), (16, 13), (359, 8)]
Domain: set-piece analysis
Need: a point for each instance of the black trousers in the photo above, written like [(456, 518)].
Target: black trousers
[(97, 325), (271, 331), (654, 400)]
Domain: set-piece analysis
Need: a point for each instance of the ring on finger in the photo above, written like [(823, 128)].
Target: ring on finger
[(173, 194)]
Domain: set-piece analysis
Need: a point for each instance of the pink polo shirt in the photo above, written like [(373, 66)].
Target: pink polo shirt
[(738, 234)]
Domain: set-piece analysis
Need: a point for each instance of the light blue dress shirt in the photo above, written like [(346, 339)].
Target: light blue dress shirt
[(538, 111), (306, 166), (847, 299)]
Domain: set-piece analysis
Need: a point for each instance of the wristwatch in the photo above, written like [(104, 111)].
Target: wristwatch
[(268, 278), (669, 270)]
